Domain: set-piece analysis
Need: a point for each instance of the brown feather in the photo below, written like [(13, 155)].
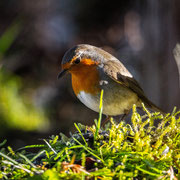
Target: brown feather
[(117, 71)]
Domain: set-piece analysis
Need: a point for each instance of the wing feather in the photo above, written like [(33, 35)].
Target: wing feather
[(117, 71)]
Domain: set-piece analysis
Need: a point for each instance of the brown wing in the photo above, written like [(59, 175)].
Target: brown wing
[(117, 71), (120, 74)]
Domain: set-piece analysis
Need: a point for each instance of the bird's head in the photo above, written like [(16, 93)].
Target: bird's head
[(79, 57)]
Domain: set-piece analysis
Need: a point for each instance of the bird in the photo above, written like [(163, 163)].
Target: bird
[(93, 69)]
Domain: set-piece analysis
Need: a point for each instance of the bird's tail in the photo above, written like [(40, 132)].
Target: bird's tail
[(152, 106)]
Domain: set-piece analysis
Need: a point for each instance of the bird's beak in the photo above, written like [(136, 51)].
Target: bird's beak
[(62, 73)]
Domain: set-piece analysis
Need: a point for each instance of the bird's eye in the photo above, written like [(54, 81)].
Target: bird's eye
[(77, 61)]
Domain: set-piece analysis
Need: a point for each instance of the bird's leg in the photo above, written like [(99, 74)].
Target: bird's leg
[(123, 117), (126, 112), (106, 120)]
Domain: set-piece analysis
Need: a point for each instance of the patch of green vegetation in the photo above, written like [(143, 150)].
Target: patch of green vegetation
[(16, 110), (117, 151)]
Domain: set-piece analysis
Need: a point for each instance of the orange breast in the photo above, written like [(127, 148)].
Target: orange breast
[(85, 78)]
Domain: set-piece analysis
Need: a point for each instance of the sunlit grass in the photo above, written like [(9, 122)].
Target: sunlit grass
[(118, 151)]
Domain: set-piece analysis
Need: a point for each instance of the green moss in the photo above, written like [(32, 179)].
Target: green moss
[(119, 151)]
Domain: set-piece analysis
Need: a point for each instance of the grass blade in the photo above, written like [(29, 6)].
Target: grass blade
[(100, 115)]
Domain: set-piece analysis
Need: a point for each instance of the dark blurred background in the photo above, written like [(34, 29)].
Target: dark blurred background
[(34, 35)]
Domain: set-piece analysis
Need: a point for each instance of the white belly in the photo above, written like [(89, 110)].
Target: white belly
[(113, 104), (90, 101)]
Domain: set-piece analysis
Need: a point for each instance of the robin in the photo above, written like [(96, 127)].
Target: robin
[(94, 69)]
